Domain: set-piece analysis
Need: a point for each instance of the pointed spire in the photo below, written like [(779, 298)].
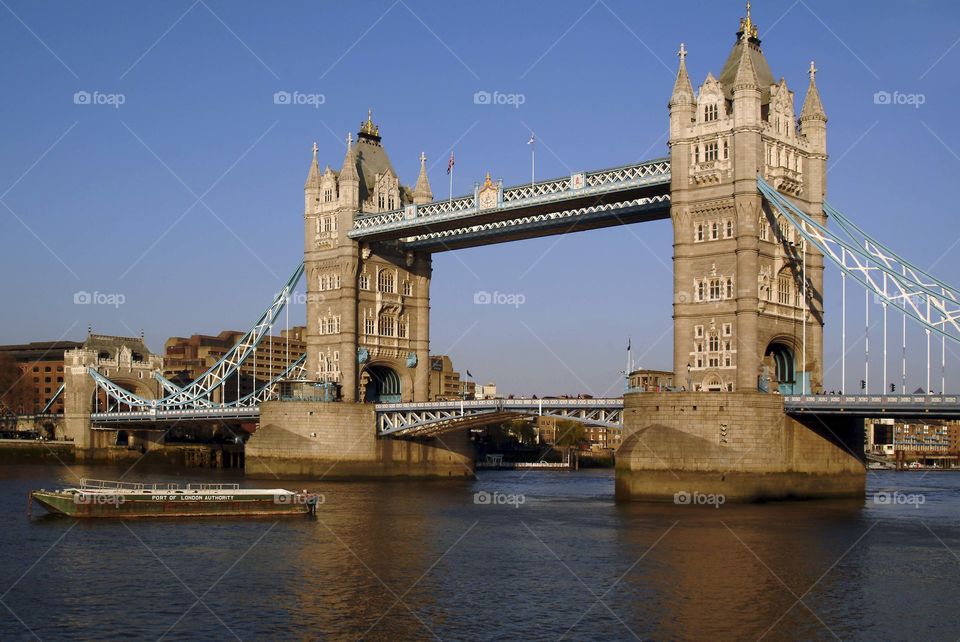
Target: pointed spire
[(812, 106), (747, 27), (313, 177), (422, 193), (349, 169), (746, 73), (682, 88)]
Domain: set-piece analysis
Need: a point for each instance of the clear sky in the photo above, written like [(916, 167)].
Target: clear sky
[(186, 199)]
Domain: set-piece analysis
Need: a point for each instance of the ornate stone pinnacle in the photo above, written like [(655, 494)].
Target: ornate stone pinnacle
[(813, 71), (682, 53)]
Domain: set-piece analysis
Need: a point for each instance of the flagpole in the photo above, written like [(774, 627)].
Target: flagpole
[(451, 184), (533, 163), (533, 159)]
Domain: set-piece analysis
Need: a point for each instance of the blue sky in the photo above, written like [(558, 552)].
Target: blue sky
[(187, 198)]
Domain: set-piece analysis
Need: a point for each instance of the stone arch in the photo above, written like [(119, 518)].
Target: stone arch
[(383, 384), (781, 352), (712, 382)]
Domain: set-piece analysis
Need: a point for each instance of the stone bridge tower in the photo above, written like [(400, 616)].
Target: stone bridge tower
[(368, 305), (739, 309), (126, 361)]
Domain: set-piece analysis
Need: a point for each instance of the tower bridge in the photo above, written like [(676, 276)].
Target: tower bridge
[(744, 188)]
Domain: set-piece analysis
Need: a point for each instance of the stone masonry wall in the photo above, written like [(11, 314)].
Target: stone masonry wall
[(313, 440), (739, 444)]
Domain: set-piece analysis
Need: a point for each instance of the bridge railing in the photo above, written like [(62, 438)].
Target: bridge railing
[(500, 403), (554, 189)]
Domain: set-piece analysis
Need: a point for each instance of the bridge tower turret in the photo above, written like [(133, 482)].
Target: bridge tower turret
[(367, 304), (739, 309)]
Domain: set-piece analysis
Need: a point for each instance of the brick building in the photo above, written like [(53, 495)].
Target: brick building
[(41, 366)]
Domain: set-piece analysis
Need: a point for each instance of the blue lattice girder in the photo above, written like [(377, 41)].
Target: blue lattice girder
[(894, 281)]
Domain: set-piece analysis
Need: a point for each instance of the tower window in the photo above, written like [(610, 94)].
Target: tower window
[(407, 288), (715, 291), (729, 288), (710, 151), (714, 231), (368, 326), (385, 281), (699, 231), (729, 229), (783, 290), (386, 326), (710, 112), (726, 150)]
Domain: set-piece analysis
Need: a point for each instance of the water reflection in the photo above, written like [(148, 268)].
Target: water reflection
[(414, 560)]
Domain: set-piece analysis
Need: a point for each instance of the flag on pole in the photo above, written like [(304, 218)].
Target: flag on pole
[(450, 163), (532, 140), (628, 345), (468, 374)]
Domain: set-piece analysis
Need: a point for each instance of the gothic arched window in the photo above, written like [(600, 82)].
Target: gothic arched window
[(385, 281)]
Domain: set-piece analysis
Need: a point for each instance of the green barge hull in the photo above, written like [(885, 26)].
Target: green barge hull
[(114, 499)]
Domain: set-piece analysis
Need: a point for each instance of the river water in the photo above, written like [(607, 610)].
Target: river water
[(549, 556)]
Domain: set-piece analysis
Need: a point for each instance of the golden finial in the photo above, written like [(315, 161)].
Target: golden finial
[(487, 182), (368, 127), (747, 27)]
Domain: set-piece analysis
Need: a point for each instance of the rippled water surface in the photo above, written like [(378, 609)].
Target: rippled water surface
[(422, 560)]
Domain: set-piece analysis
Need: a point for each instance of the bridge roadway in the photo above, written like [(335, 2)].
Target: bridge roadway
[(495, 214), (427, 418)]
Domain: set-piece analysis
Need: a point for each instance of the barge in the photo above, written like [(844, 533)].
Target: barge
[(102, 498)]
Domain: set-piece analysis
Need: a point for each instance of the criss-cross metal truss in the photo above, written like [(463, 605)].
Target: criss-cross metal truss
[(137, 404), (168, 386), (893, 280), (421, 419), (572, 195), (198, 393)]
